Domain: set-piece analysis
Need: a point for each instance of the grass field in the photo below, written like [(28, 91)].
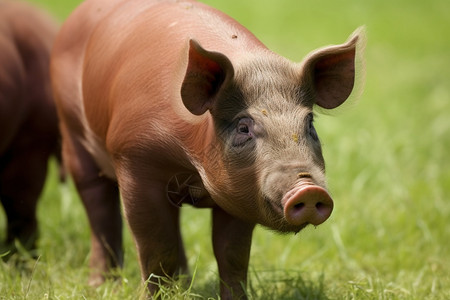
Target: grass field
[(388, 166)]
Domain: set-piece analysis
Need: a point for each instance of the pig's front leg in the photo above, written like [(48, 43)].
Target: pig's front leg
[(232, 240), (154, 222)]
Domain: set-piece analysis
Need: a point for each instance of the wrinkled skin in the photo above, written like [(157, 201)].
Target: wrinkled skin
[(178, 103), (28, 121)]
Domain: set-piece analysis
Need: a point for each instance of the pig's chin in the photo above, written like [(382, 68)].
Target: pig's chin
[(275, 219)]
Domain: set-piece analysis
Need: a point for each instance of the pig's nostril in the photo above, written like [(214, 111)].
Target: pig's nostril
[(299, 206)]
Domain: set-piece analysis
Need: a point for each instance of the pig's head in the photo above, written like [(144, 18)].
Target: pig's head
[(265, 162)]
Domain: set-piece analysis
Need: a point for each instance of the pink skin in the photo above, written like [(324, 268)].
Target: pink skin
[(307, 204)]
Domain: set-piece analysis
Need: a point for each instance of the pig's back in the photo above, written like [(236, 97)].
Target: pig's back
[(138, 54)]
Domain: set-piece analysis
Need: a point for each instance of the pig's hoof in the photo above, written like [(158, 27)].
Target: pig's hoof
[(95, 280)]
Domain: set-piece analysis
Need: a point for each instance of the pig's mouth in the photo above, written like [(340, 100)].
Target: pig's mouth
[(275, 210)]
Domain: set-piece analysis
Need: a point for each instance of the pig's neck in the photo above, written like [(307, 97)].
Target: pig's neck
[(204, 148)]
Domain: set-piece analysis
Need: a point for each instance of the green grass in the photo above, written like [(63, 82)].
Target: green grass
[(388, 169)]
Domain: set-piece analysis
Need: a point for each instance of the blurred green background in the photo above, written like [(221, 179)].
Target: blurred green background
[(388, 169)]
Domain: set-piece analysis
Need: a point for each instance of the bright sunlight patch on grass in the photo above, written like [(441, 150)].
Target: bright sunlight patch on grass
[(388, 170)]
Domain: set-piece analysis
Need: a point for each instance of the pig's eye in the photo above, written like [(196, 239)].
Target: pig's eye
[(244, 132), (311, 130)]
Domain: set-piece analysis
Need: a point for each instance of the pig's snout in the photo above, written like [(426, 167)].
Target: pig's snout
[(307, 204)]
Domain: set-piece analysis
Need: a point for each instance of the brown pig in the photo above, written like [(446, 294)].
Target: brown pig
[(28, 120), (173, 102)]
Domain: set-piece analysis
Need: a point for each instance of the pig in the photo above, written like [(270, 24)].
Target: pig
[(173, 102), (28, 120)]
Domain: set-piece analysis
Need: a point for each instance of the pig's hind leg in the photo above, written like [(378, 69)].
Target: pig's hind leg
[(22, 176), (100, 197)]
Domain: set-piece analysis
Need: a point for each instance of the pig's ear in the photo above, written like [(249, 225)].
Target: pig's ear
[(205, 76), (329, 73)]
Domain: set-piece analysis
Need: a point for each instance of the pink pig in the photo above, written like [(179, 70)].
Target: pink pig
[(171, 102)]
